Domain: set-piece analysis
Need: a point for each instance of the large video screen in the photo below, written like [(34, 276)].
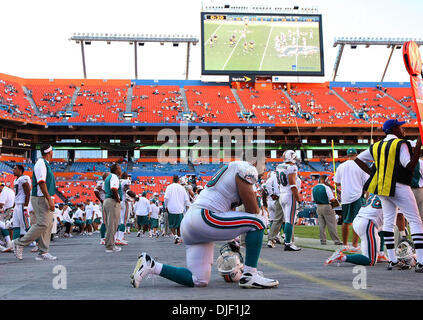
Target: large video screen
[(262, 44)]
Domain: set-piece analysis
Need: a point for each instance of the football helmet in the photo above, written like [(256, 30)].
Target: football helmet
[(130, 195), (405, 252), (230, 262), (289, 156)]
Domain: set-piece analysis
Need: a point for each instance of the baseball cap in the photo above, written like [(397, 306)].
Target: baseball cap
[(391, 123), (351, 151)]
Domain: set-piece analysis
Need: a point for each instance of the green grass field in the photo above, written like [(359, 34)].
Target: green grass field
[(312, 232), (264, 56)]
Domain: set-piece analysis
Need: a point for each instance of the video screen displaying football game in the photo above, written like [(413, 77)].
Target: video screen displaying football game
[(262, 44)]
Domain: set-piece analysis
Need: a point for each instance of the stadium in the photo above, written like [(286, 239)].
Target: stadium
[(262, 58)]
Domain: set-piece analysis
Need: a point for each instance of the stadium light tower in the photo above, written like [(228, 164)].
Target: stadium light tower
[(134, 40), (393, 43)]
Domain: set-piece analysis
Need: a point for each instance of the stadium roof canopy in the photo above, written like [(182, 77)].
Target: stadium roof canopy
[(393, 43), (133, 39)]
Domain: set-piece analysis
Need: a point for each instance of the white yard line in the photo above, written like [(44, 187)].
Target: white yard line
[(232, 52), (267, 44)]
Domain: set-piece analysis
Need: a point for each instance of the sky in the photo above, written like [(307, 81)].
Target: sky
[(35, 37)]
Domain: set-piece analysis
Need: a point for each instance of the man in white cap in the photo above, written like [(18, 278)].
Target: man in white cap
[(43, 191)]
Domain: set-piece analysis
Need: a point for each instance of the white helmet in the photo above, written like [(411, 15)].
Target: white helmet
[(406, 253), (230, 264), (289, 156)]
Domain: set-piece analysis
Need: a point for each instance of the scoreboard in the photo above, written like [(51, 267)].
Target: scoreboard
[(262, 44)]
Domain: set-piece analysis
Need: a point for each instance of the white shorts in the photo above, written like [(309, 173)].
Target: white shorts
[(367, 230), (19, 220), (289, 207)]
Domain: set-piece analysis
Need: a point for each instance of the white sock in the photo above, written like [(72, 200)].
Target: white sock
[(248, 269), (391, 255), (158, 268), (403, 234), (7, 238)]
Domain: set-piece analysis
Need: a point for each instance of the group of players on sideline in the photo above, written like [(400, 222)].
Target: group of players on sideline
[(238, 204)]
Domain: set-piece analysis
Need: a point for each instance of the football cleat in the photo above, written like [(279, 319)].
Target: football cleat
[(257, 281), (35, 249), (145, 266), (335, 257), (270, 244), (291, 247), (279, 239), (355, 249), (121, 243), (18, 250), (6, 249), (382, 257), (398, 266), (103, 241), (138, 234)]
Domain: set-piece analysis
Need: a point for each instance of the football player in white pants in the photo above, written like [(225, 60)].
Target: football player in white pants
[(100, 194), (368, 226), (210, 219), (22, 195), (89, 216), (289, 186), (125, 182)]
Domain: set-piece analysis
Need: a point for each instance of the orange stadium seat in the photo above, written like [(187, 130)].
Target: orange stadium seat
[(99, 103), (51, 99), (156, 104), (212, 104), (13, 102), (374, 103)]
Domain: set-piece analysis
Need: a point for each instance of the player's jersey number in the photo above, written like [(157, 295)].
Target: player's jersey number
[(282, 179), (217, 176)]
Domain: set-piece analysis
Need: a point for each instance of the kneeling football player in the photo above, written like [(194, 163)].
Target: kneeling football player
[(211, 219)]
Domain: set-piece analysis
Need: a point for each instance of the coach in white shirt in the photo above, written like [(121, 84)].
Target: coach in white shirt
[(351, 179), (142, 209), (176, 201)]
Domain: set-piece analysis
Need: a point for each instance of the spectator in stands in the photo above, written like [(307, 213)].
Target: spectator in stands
[(323, 196)]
